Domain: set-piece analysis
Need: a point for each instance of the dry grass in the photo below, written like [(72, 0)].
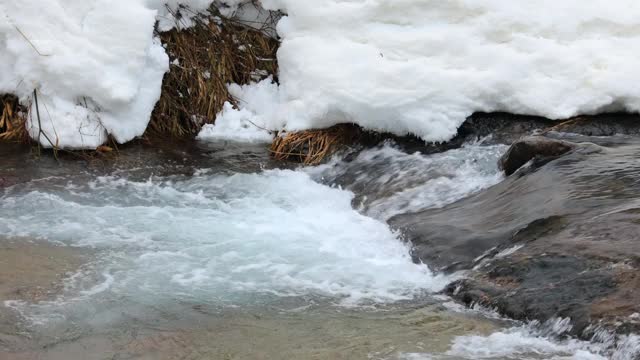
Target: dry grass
[(13, 119), (205, 58), (311, 147)]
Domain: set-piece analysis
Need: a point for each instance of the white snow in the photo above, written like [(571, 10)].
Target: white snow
[(184, 11), (238, 125), (95, 64), (423, 66), (404, 66), (253, 122), (181, 13)]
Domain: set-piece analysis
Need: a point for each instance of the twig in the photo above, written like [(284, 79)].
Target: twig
[(40, 131), (260, 127), (29, 41)]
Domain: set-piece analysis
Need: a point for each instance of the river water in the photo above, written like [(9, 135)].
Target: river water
[(215, 251)]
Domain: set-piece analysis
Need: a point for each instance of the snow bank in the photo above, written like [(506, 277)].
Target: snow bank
[(254, 121), (237, 125), (405, 66), (95, 64), (423, 66)]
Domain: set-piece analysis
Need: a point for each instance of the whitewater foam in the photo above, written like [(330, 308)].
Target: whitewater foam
[(535, 341), (226, 238), (389, 181)]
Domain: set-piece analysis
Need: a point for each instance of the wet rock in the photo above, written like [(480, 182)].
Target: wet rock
[(491, 128), (502, 128), (601, 125), (560, 241), (612, 311), (505, 128), (453, 237), (533, 285), (537, 148), (539, 288)]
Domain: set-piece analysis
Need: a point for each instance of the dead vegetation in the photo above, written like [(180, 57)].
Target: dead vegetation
[(204, 59), (13, 118), (311, 147)]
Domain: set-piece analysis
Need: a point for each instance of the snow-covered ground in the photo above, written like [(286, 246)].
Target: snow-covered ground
[(95, 64), (423, 66), (404, 66)]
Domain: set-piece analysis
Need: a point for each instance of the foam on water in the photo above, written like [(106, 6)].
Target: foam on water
[(535, 342), (391, 181), (222, 238)]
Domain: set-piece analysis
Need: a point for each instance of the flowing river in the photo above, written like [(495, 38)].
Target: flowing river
[(215, 251)]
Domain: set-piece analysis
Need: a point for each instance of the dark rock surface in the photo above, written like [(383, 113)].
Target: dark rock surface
[(601, 125), (560, 238), (505, 128), (537, 148), (494, 128)]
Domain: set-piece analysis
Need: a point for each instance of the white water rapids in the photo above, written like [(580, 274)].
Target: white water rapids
[(225, 237), (258, 239)]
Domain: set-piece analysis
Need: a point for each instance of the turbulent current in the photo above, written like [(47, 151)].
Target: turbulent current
[(189, 249)]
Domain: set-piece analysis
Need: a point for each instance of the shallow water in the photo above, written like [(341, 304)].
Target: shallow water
[(216, 252)]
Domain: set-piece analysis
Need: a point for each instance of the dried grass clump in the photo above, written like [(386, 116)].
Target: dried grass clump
[(204, 60), (311, 147), (13, 119)]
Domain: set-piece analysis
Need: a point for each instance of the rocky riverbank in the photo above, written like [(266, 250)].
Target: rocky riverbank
[(558, 237)]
